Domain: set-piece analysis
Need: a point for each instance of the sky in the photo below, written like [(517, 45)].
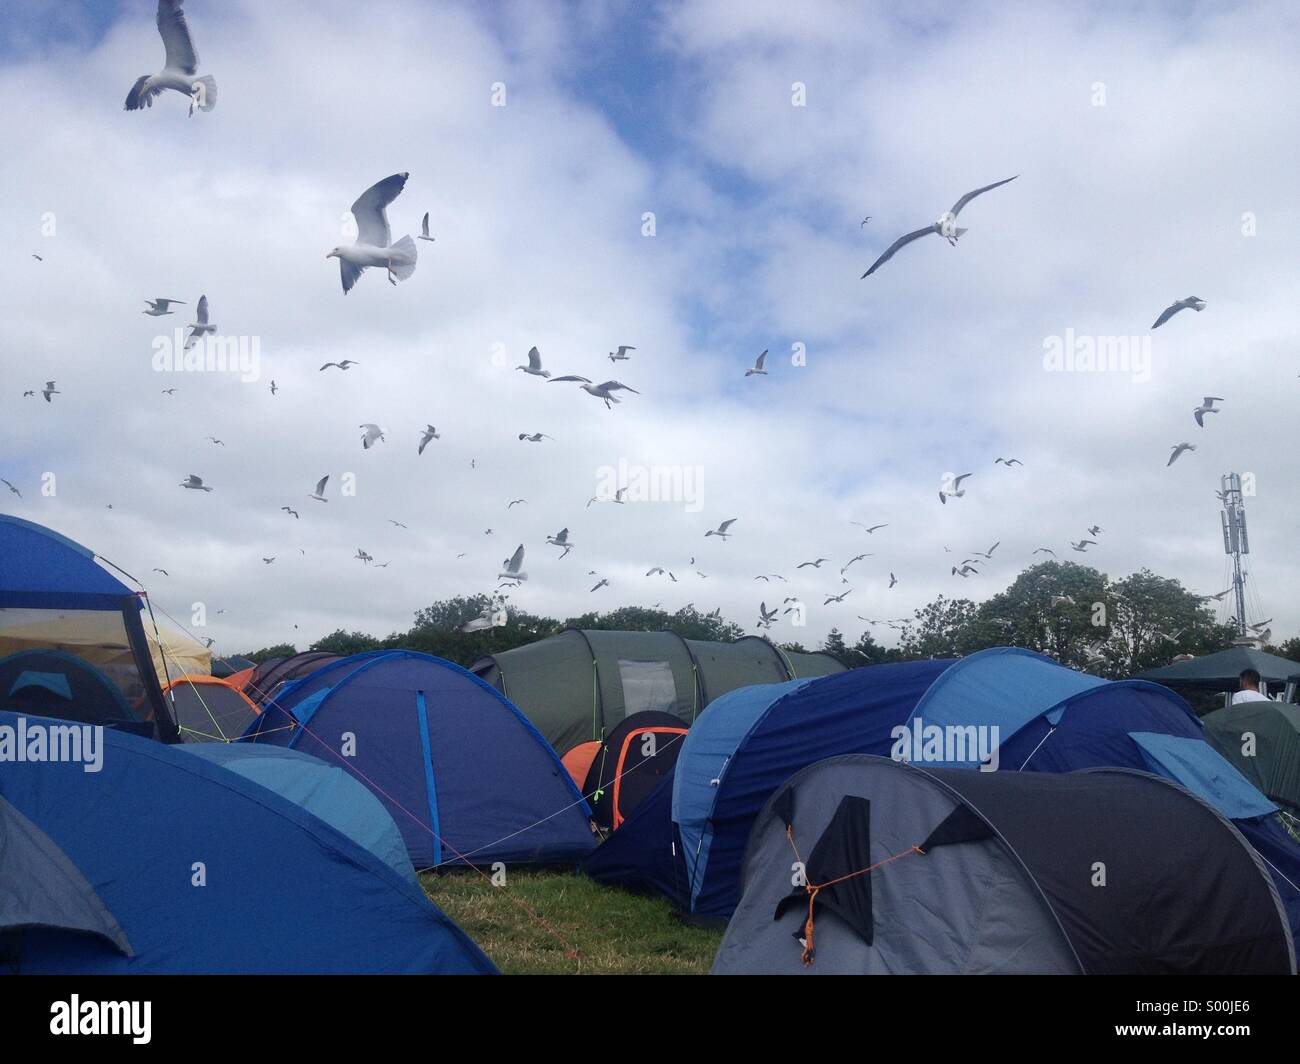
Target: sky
[(691, 180)]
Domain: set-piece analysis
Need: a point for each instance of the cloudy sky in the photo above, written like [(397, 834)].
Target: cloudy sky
[(689, 179)]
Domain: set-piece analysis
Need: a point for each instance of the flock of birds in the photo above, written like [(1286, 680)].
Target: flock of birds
[(374, 247)]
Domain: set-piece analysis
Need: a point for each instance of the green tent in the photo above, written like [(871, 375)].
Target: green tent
[(577, 685), (1219, 672), (1262, 739)]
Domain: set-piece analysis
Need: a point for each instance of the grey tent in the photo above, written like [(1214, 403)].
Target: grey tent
[(1219, 672), (925, 871), (578, 685), (1262, 739)]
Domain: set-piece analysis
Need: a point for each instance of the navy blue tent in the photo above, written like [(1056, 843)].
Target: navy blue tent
[(161, 862), (687, 839), (43, 575), (463, 773)]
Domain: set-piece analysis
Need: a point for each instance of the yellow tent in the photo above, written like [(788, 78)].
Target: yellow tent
[(97, 636)]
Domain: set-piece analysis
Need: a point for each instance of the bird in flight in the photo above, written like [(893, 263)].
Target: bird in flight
[(868, 528), (424, 228), (721, 530), (1083, 545), (621, 354), (1178, 450), (758, 369), (603, 392), (429, 433), (373, 434), (215, 442), (194, 483), (814, 565), (1193, 302), (11, 488), (957, 492), (345, 365), (1008, 462), (535, 437), (200, 326), (180, 66), (49, 390), (160, 307), (1207, 407), (534, 367), (290, 510), (945, 226), (374, 246), (319, 493)]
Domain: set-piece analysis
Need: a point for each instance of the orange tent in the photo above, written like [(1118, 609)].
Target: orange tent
[(209, 710)]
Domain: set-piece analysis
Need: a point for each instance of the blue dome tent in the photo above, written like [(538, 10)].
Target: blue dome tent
[(228, 878), (46, 578), (463, 774), (687, 840)]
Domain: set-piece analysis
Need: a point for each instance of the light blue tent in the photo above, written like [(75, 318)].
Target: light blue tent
[(323, 790)]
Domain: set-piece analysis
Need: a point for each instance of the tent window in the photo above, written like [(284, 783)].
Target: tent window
[(647, 686)]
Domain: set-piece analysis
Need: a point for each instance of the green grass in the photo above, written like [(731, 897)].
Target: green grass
[(559, 923)]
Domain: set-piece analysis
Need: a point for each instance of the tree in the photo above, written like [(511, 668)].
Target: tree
[(344, 643), (280, 650), (1154, 619), (1056, 608), (938, 629)]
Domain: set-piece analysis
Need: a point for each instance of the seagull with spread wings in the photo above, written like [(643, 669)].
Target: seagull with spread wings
[(945, 226), (180, 66), (600, 391), (374, 244), (1191, 302)]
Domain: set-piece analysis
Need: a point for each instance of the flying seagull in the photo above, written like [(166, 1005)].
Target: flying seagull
[(1083, 545), (988, 554), (945, 227), (372, 434), (892, 579), (1008, 462), (868, 528), (268, 561), (1194, 302), (603, 583), (429, 433), (1095, 529), (424, 228), (561, 539), (837, 598), (536, 437), (159, 307), (374, 244), (169, 391), (345, 365), (290, 510), (758, 366), (534, 367), (815, 565), (363, 557), (513, 566), (721, 530), (215, 442), (194, 483), (49, 390), (600, 391), (1207, 407), (396, 524), (1178, 449), (957, 492), (766, 616), (199, 326), (163, 571), (274, 389), (516, 502), (14, 490), (1044, 550), (621, 354), (319, 493), (180, 67)]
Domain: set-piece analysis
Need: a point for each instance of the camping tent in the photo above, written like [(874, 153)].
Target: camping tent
[(465, 776), (1219, 671), (265, 678), (926, 871), (57, 585), (686, 839), (631, 762), (228, 878), (208, 710), (1262, 739), (326, 791), (97, 637), (578, 685)]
